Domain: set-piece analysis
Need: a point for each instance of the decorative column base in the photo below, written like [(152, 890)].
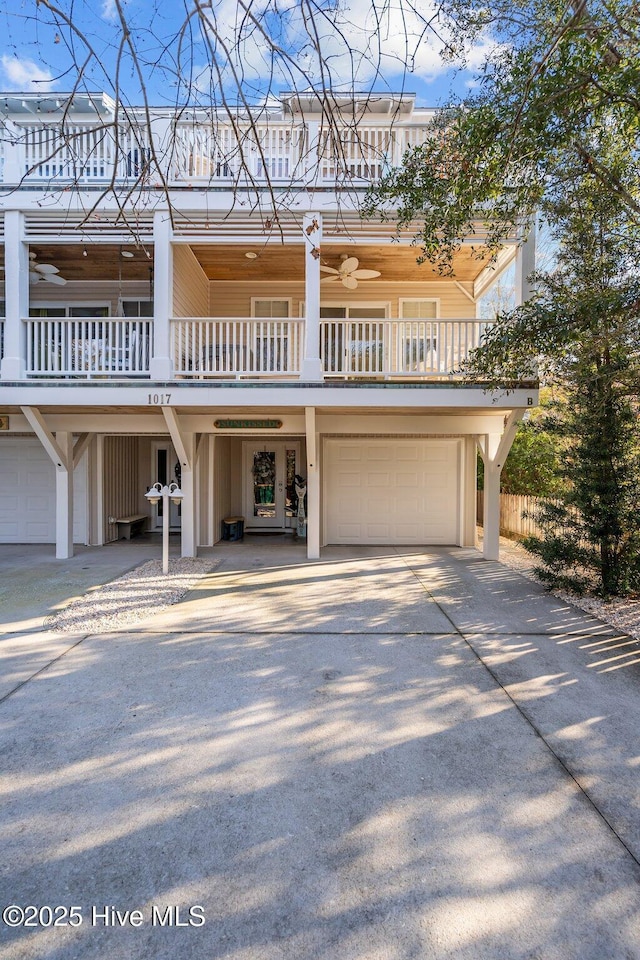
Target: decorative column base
[(312, 370), (161, 368), (13, 368)]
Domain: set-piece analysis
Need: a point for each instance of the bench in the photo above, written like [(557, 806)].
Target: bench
[(130, 526)]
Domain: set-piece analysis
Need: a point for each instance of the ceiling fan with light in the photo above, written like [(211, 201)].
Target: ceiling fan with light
[(348, 273), (43, 271)]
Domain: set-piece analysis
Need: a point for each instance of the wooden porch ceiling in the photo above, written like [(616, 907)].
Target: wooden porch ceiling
[(273, 262), (102, 262), (285, 262)]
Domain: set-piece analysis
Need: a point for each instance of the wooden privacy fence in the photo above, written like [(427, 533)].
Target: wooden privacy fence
[(512, 507)]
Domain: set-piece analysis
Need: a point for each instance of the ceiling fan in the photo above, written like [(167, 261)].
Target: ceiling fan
[(349, 273), (43, 271)]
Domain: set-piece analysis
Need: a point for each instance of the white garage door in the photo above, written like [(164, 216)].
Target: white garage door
[(28, 502), (391, 491)]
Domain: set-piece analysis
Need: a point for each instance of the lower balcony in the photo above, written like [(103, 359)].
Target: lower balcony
[(234, 348)]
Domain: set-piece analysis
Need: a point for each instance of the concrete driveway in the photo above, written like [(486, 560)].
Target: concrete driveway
[(382, 755)]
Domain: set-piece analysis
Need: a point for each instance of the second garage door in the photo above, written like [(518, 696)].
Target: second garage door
[(391, 491), (28, 507)]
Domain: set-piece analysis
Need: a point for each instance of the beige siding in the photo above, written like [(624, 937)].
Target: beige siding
[(228, 299), (121, 487), (88, 292), (190, 285)]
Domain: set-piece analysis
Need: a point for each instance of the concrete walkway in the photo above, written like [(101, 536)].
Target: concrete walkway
[(382, 755)]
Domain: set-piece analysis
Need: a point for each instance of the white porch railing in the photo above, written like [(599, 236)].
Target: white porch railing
[(424, 349), (83, 153), (237, 153), (234, 347), (87, 347), (233, 153), (237, 347)]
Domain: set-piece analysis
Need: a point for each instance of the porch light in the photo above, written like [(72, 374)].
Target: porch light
[(154, 495)]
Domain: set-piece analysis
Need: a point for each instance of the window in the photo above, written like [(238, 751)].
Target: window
[(419, 309), (271, 309), (418, 344), (271, 345), (356, 347), (137, 308), (79, 310)]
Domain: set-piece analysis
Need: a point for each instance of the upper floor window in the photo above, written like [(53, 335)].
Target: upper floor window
[(271, 309), (83, 310), (137, 308), (419, 309)]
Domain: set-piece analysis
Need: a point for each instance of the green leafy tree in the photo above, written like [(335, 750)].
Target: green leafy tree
[(532, 466), (561, 73), (553, 126), (584, 326)]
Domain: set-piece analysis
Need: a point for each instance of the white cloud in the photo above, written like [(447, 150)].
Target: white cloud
[(362, 43), (109, 10), (25, 75)]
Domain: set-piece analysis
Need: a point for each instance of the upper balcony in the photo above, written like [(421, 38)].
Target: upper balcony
[(45, 141)]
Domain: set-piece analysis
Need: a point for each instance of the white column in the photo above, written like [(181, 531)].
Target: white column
[(491, 517), (469, 472), (14, 167), (311, 365), (64, 498), (16, 287), (313, 486), (188, 487), (161, 367), (525, 266), (495, 450)]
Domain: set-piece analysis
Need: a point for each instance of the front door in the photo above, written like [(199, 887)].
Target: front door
[(165, 469), (269, 484)]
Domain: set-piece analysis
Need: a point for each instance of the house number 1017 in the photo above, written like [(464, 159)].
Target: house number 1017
[(160, 398)]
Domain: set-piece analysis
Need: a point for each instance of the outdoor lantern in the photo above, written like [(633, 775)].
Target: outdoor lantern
[(175, 493), (154, 493)]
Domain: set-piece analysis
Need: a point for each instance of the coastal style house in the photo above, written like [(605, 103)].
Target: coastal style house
[(195, 298)]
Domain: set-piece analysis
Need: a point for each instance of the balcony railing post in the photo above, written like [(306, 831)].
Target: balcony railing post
[(13, 168)]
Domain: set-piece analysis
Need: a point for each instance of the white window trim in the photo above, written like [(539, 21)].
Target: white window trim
[(403, 300), (287, 300), (89, 304), (373, 305)]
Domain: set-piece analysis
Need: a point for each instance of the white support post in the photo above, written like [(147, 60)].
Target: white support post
[(313, 486), (525, 266), (64, 498), (161, 367), (495, 450), (311, 364), (491, 513), (60, 451), (469, 486), (188, 487), (99, 492), (16, 287)]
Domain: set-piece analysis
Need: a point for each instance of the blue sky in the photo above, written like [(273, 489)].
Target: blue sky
[(380, 44)]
